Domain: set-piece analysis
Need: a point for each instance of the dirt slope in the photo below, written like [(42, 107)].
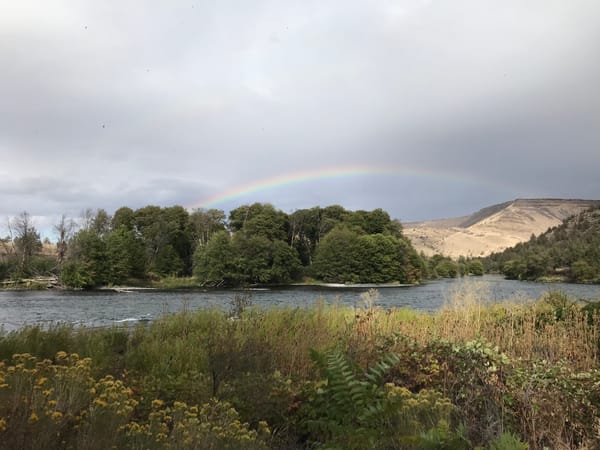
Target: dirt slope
[(493, 228)]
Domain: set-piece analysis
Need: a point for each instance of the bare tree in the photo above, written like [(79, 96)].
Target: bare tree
[(26, 240), (64, 230)]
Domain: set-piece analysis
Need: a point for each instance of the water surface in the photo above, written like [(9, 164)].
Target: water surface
[(105, 308)]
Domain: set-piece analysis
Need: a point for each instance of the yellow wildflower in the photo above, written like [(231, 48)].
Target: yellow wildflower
[(33, 417), (160, 437), (100, 403), (2, 424)]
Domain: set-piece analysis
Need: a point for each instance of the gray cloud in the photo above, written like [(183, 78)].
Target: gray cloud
[(107, 104)]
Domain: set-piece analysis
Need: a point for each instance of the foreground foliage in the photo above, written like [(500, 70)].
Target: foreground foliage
[(500, 376)]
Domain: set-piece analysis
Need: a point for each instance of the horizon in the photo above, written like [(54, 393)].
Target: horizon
[(46, 230)]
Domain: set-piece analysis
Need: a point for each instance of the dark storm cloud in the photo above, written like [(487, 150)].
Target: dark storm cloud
[(106, 104)]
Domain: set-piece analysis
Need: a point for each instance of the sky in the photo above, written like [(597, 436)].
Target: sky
[(427, 109)]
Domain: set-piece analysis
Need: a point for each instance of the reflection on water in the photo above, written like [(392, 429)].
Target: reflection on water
[(102, 308)]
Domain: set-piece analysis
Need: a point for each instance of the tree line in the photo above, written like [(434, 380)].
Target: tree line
[(255, 243)]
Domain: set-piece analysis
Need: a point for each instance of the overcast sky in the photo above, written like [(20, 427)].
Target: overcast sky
[(466, 103)]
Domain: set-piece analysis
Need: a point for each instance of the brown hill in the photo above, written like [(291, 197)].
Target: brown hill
[(493, 228)]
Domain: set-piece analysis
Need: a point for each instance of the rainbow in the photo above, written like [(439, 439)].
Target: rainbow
[(324, 173)]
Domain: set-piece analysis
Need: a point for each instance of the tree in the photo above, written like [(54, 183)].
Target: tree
[(64, 232), (475, 267), (125, 253), (260, 219), (26, 241), (88, 263), (204, 223), (123, 217), (336, 256), (213, 263), (304, 231), (285, 265), (166, 236)]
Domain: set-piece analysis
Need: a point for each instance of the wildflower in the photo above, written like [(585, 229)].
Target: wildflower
[(263, 427), (41, 381), (57, 415), (100, 403), (61, 355), (2, 424), (33, 417), (157, 403), (161, 437)]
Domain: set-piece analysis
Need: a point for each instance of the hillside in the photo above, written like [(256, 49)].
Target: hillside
[(570, 251), (492, 229)]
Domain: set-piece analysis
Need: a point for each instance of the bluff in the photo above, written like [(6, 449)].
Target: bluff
[(492, 229)]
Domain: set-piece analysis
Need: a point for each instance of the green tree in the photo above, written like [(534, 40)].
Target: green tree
[(125, 253), (475, 267), (285, 265), (336, 256), (123, 217), (167, 239), (214, 262), (88, 262), (260, 219), (305, 232), (582, 271)]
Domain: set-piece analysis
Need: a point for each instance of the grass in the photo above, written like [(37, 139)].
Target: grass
[(527, 369)]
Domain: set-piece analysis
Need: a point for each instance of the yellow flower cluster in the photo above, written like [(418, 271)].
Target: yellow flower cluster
[(213, 425), (42, 395), (114, 395), (57, 399), (418, 412)]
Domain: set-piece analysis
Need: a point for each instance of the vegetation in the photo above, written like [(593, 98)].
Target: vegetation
[(570, 251), (257, 244), (440, 266), (472, 375)]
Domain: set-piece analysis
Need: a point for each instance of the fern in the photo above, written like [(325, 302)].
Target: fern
[(353, 409), (348, 404)]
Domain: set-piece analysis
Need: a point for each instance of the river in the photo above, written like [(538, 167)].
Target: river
[(105, 307)]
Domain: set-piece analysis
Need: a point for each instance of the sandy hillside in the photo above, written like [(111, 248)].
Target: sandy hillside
[(492, 229)]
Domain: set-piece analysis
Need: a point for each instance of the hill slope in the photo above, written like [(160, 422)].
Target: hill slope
[(494, 228), (569, 251)]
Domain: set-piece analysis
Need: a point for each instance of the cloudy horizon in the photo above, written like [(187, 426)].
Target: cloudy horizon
[(468, 104)]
